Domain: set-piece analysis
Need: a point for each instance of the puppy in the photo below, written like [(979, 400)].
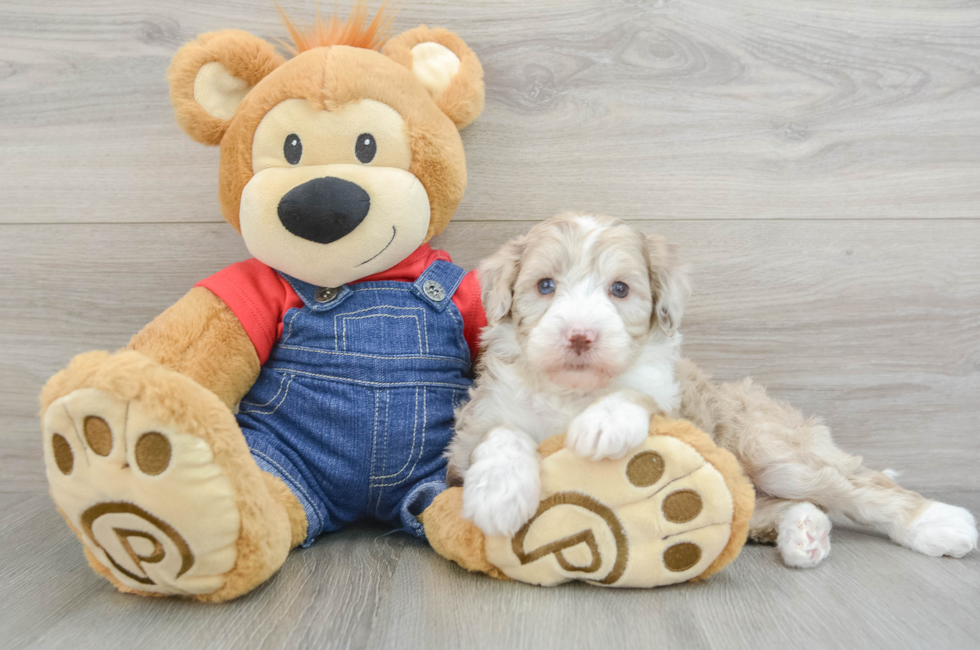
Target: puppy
[(582, 338)]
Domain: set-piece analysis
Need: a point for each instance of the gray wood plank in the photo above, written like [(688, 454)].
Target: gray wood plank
[(873, 326), (713, 109), (363, 588)]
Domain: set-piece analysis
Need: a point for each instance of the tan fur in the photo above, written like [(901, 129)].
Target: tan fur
[(462, 101), (790, 458), (551, 445), (294, 509), (200, 337), (743, 496), (245, 56), (195, 361), (461, 541), (170, 397), (354, 73), (455, 538)]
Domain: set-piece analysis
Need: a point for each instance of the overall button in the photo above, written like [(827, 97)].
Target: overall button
[(434, 290), (326, 294)]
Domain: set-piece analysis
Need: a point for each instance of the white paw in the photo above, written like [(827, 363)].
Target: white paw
[(804, 536), (608, 429), (942, 529), (149, 501), (502, 487)]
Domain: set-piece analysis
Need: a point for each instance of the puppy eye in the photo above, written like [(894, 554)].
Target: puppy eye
[(546, 286), (292, 149), (366, 148), (619, 289)]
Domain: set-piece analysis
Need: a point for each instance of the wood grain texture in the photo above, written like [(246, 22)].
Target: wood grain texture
[(363, 588), (818, 162), (874, 328), (696, 109)]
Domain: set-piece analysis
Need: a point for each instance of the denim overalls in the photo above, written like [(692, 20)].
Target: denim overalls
[(354, 407)]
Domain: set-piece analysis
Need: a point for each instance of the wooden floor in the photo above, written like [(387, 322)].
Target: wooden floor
[(818, 162)]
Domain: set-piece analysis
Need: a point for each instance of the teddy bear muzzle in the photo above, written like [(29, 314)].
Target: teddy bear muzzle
[(324, 210)]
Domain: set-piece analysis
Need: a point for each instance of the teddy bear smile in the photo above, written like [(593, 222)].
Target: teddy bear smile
[(393, 233)]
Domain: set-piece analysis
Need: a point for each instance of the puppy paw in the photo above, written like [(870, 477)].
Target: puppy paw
[(804, 536), (942, 529), (608, 429), (502, 487)]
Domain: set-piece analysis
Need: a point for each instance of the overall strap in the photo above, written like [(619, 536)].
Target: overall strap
[(438, 283)]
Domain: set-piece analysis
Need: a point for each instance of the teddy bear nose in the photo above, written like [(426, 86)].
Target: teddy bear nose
[(324, 209)]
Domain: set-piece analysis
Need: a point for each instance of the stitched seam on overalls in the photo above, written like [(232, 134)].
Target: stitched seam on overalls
[(288, 386), (458, 320), (299, 486), (364, 382), (380, 289), (374, 449), (425, 322), (384, 454), (290, 329), (430, 357), (425, 420), (415, 430), (282, 378), (418, 329)]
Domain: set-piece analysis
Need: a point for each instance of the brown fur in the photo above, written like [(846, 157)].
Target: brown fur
[(201, 338), (827, 477), (455, 538), (462, 101), (170, 397), (243, 55), (438, 160), (195, 361), (462, 542), (294, 509), (743, 495)]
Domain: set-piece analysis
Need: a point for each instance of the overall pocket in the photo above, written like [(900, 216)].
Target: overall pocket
[(268, 393)]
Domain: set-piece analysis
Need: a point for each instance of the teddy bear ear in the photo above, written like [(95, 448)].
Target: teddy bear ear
[(446, 66), (211, 75)]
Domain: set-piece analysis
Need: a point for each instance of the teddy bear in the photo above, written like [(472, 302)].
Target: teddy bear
[(315, 384)]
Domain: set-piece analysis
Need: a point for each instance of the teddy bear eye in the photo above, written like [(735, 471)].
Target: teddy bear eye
[(546, 286), (292, 149), (366, 148), (619, 289)]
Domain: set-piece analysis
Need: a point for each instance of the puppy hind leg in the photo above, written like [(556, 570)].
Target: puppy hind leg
[(908, 518), (838, 483), (800, 530)]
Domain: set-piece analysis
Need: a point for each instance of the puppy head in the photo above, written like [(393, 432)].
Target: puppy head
[(583, 295)]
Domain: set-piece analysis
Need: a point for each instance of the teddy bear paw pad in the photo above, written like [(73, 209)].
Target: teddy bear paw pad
[(148, 501), (658, 516)]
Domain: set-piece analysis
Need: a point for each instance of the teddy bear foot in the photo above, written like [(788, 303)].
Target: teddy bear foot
[(156, 509), (675, 508), (151, 504)]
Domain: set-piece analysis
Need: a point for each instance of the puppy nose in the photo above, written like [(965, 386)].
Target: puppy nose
[(324, 209), (580, 340)]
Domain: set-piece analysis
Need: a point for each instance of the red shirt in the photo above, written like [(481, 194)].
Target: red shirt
[(260, 297)]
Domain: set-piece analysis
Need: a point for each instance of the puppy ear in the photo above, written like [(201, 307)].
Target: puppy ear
[(446, 66), (497, 275), (210, 76), (669, 282)]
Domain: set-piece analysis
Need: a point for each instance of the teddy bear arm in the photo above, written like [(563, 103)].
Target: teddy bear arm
[(200, 337)]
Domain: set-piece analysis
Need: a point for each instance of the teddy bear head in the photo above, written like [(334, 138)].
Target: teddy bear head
[(341, 161)]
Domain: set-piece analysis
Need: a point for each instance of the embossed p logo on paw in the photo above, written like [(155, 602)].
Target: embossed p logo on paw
[(133, 539)]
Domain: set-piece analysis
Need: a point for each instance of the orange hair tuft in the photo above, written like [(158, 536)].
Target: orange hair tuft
[(355, 32)]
